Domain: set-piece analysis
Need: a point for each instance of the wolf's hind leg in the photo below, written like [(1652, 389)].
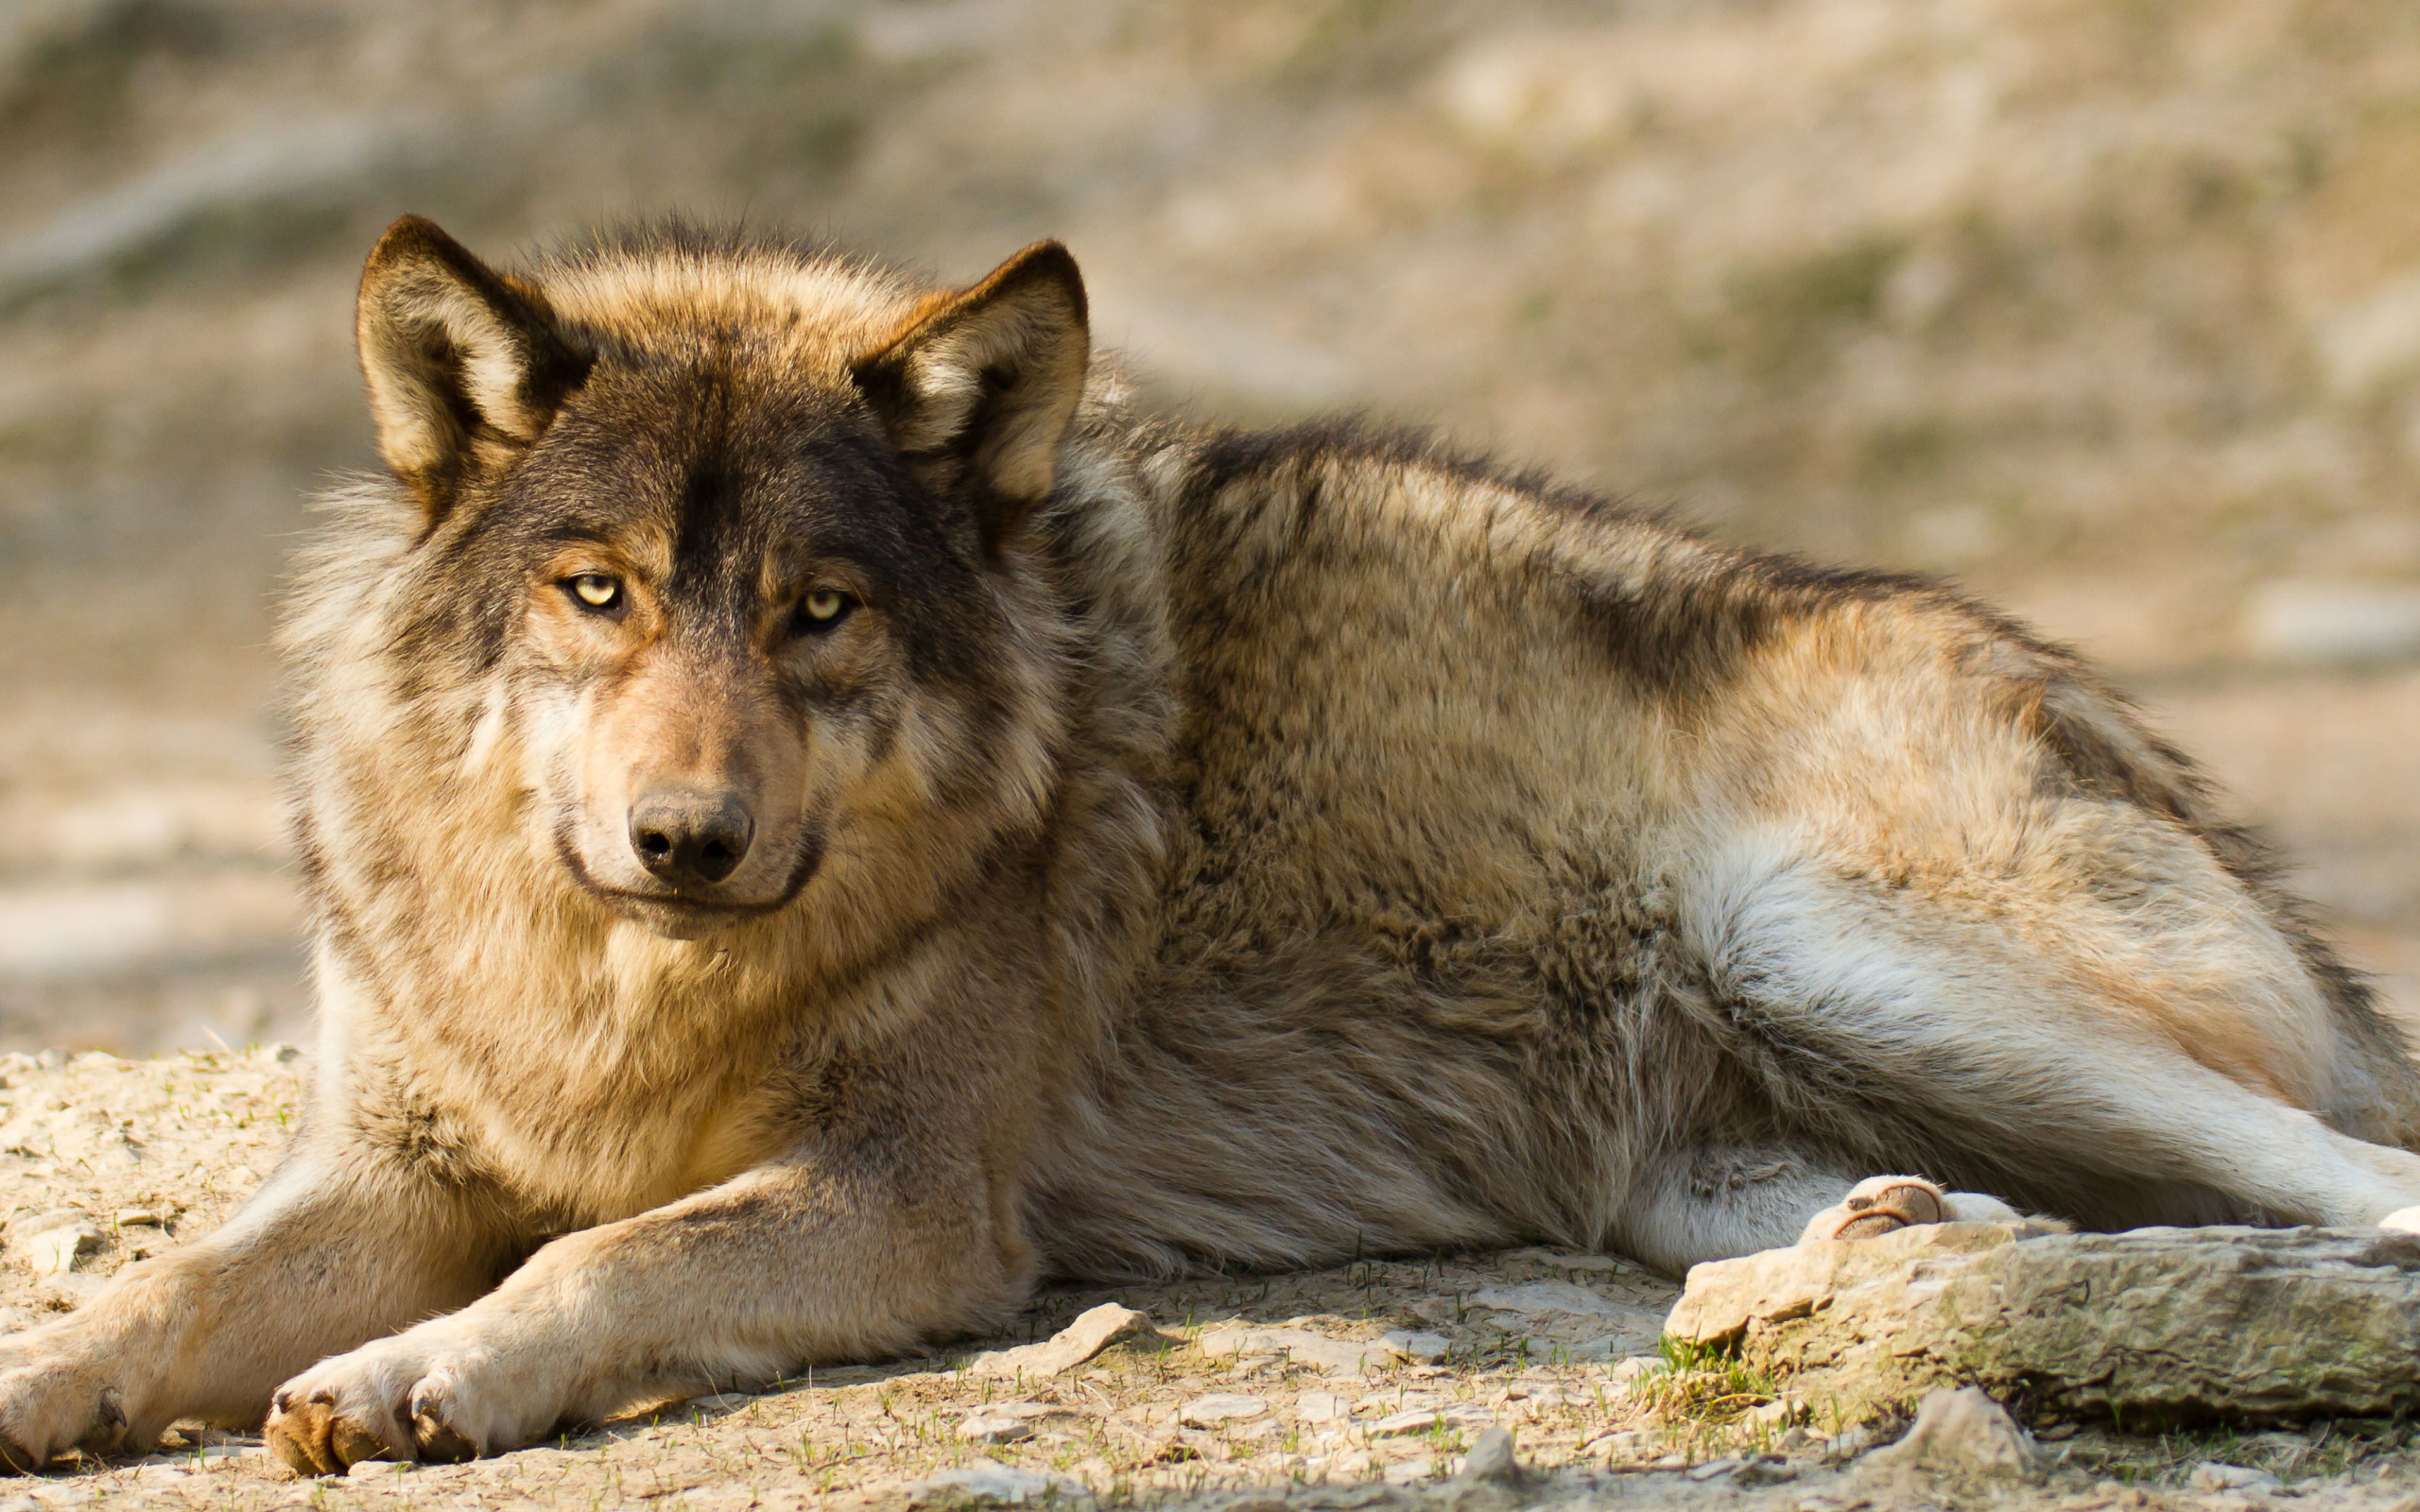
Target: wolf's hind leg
[(1970, 1045), (1711, 1203)]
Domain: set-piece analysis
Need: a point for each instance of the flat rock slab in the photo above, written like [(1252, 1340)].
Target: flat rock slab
[(2155, 1327)]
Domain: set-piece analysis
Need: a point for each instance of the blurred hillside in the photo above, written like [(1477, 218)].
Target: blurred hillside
[(2110, 309)]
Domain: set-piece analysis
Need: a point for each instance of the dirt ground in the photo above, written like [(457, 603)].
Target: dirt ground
[(1363, 1386)]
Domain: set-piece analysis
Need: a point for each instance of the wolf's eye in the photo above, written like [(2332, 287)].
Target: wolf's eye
[(823, 609), (596, 591)]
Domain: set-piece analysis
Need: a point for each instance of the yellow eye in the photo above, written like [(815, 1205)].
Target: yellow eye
[(824, 605), (597, 590)]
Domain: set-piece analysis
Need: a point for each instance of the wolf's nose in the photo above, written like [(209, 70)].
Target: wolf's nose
[(686, 836)]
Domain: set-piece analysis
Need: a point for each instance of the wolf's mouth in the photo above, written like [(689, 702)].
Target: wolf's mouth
[(693, 913)]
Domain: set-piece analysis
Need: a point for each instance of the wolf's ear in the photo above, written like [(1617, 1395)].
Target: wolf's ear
[(980, 386), (460, 362)]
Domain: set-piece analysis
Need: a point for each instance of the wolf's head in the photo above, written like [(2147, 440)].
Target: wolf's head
[(725, 534)]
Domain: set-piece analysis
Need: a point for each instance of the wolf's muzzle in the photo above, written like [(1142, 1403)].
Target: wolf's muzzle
[(691, 837)]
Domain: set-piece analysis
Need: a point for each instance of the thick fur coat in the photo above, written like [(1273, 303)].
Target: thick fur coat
[(819, 817)]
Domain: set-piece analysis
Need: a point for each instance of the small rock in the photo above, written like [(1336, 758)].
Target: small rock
[(1493, 1460), (1764, 1470), (1319, 1407), (136, 1218), (2212, 1476), (986, 1428), (1427, 1349), (1003, 1483), (1301, 1346), (368, 1468), (1848, 1443), (1547, 1299), (1715, 1466), (1962, 1432), (1415, 1420), (1091, 1333), (1220, 1407), (720, 1400), (1621, 1443), (55, 1251)]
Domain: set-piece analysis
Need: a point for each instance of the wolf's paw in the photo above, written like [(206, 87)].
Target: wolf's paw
[(51, 1403), (404, 1397), (1879, 1204)]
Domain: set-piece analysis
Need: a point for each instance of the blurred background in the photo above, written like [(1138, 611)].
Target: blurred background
[(2111, 310)]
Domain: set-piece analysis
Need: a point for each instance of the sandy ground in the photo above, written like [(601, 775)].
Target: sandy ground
[(1358, 1387)]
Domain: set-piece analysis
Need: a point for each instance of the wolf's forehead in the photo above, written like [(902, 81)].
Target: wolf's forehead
[(685, 471), (823, 314)]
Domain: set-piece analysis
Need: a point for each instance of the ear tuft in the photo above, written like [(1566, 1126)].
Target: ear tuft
[(461, 362), (979, 388)]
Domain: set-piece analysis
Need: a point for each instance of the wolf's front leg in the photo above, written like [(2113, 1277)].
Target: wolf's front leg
[(817, 1259), (339, 1247)]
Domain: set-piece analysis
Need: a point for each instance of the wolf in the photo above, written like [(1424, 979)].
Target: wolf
[(821, 816)]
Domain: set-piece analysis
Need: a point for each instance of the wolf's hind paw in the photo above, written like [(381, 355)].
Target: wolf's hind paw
[(1879, 1204)]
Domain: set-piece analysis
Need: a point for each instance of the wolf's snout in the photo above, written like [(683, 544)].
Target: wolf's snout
[(687, 837)]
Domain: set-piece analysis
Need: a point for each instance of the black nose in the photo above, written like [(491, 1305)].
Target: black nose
[(686, 836)]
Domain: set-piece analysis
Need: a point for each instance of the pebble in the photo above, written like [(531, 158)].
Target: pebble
[(1428, 1348), (372, 1469), (2212, 1476), (1079, 1340), (1220, 1407), (55, 1251), (1318, 1406), (1547, 1299), (1420, 1419), (1493, 1459), (992, 1429), (1303, 1346), (1962, 1432), (1003, 1483)]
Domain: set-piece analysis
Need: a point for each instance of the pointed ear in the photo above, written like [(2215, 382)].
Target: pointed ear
[(463, 365), (979, 388)]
